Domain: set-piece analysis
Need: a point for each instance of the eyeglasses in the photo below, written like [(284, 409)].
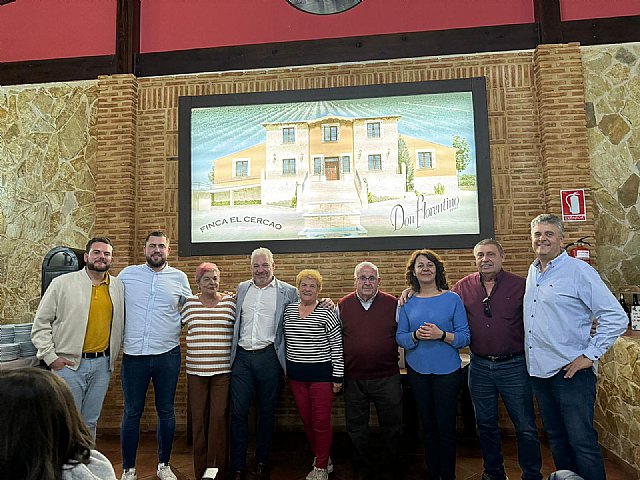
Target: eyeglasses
[(367, 279), (486, 307)]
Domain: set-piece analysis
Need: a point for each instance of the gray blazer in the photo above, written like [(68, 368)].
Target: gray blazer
[(286, 294)]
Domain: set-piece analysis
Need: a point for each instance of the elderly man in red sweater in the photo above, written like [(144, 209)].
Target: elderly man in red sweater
[(369, 325)]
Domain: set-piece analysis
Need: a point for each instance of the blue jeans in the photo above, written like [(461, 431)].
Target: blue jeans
[(437, 402), (88, 384), (566, 406), (508, 379), (137, 370), (253, 373)]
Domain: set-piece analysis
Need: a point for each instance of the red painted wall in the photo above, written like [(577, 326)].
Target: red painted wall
[(44, 29), (584, 9), (181, 25)]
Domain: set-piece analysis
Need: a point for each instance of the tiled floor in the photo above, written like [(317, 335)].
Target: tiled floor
[(291, 458)]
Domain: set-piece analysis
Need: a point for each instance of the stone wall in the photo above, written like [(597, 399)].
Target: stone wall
[(48, 145), (612, 94), (617, 414)]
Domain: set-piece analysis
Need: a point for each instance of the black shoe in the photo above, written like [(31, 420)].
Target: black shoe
[(239, 475), (262, 472)]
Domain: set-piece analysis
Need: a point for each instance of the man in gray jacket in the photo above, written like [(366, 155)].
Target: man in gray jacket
[(258, 360), (78, 328)]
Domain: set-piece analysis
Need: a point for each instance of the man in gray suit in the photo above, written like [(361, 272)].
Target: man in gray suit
[(258, 360)]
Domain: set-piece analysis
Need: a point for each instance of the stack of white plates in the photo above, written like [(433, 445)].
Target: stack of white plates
[(23, 338), (7, 334), (27, 349), (22, 332), (9, 351)]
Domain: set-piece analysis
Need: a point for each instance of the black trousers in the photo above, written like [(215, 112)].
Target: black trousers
[(386, 395), (437, 402)]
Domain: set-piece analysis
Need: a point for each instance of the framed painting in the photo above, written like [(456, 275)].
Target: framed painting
[(377, 167)]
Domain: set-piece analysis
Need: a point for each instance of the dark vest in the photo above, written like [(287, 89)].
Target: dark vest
[(369, 337)]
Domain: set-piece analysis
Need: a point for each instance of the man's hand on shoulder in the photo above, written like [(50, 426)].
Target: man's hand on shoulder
[(326, 303), (59, 363), (579, 363), (406, 294)]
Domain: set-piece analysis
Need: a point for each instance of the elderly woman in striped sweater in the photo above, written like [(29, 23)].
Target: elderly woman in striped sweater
[(315, 367), (209, 318)]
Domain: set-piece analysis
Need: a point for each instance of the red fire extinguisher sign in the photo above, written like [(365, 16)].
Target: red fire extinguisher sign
[(574, 207)]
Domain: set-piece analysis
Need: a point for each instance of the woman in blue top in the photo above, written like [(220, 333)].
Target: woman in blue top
[(432, 326)]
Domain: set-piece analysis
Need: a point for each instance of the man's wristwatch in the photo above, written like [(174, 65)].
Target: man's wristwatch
[(444, 336)]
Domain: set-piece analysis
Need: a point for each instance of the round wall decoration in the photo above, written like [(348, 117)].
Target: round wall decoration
[(323, 7)]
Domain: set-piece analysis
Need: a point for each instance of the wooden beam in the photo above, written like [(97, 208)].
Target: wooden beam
[(56, 70), (547, 15), (602, 31), (127, 35), (349, 49)]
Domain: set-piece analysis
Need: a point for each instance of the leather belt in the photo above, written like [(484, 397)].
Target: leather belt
[(259, 350), (95, 354), (499, 358)]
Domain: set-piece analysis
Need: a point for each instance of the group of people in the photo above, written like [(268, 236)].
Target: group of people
[(526, 337)]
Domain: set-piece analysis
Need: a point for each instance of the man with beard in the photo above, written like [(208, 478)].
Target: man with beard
[(78, 328), (154, 292)]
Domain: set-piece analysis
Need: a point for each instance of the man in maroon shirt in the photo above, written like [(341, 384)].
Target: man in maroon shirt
[(369, 326), (493, 300)]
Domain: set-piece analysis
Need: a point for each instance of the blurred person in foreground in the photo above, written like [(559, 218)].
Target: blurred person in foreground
[(209, 316), (42, 436), (432, 327), (315, 366)]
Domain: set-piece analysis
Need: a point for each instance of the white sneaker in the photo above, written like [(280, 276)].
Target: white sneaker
[(164, 472), (318, 474), (329, 468), (129, 474)]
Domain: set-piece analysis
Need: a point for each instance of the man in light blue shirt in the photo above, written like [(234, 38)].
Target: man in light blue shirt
[(563, 296), (154, 292)]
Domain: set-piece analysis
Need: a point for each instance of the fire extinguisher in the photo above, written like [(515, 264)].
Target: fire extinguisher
[(580, 249)]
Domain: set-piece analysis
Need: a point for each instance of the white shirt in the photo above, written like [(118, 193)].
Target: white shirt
[(366, 304), (258, 317)]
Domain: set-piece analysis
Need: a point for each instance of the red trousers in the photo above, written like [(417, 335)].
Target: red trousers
[(209, 397), (314, 400)]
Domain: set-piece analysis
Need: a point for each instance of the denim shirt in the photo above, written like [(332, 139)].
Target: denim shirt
[(559, 307), (152, 308)]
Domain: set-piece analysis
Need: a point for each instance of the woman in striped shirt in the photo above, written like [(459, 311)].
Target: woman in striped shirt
[(209, 317), (315, 366)]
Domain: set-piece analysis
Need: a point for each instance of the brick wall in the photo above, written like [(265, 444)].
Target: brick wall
[(137, 180)]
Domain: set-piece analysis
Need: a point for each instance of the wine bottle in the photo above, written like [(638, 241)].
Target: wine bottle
[(625, 307), (635, 313)]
